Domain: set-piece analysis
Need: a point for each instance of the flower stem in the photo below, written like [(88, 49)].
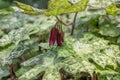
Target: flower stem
[(73, 25), (63, 22)]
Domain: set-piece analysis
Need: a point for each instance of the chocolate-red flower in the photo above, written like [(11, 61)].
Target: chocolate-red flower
[(60, 38), (56, 36), (53, 35)]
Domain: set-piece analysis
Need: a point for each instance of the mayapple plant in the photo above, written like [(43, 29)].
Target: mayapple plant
[(59, 7), (88, 55)]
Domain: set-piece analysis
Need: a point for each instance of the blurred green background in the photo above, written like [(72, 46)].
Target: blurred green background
[(36, 3)]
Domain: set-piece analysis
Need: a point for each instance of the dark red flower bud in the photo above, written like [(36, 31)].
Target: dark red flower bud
[(60, 38), (53, 35), (56, 36)]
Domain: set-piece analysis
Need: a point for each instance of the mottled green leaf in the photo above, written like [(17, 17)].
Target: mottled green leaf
[(109, 30), (43, 59), (44, 45), (75, 59), (15, 36), (43, 62), (10, 52), (28, 9), (52, 74), (4, 71), (5, 40), (18, 51), (22, 70), (57, 7), (4, 53), (6, 11), (112, 9), (92, 47), (32, 73)]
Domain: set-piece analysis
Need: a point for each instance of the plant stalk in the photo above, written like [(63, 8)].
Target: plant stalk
[(63, 22), (73, 25)]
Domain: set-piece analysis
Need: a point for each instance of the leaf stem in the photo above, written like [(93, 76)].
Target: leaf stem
[(12, 71), (73, 25), (63, 22)]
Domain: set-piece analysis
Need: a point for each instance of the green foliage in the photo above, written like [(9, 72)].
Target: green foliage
[(112, 9), (118, 41), (4, 4), (57, 7), (4, 71), (6, 11), (112, 31), (10, 44), (89, 53), (93, 47), (28, 9)]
